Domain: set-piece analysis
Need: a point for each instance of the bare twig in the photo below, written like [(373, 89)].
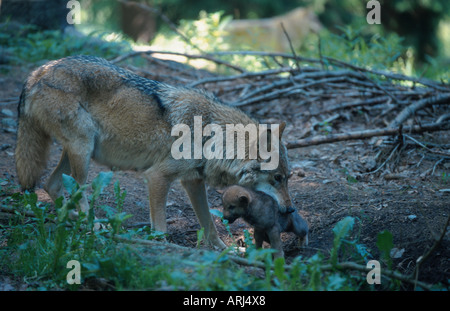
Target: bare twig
[(386, 161), (357, 103), (191, 56), (425, 147), (411, 109), (12, 211), (291, 46), (366, 134), (262, 265), (425, 256), (244, 75), (385, 272)]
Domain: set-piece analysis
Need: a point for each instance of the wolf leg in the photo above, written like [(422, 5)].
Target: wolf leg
[(158, 188), (79, 159), (197, 194), (54, 186)]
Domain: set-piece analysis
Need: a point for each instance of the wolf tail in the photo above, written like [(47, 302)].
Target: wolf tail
[(31, 148)]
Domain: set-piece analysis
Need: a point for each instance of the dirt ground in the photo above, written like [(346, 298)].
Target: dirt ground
[(329, 182)]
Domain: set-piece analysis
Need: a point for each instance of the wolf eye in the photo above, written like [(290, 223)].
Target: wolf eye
[(278, 177), (231, 206)]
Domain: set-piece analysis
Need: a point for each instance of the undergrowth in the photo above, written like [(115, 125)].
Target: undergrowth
[(356, 44), (37, 251), (26, 44)]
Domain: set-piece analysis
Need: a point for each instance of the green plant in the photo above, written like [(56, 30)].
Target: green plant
[(385, 244), (27, 44), (39, 247), (44, 244), (341, 230)]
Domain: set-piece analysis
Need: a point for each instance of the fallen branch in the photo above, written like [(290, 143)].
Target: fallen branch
[(259, 264), (411, 109), (242, 76), (384, 272), (191, 56), (444, 154), (357, 103), (12, 211), (441, 126)]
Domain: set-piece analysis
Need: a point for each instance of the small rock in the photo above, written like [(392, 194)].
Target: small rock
[(396, 253), (412, 217), (7, 112), (303, 164), (301, 173)]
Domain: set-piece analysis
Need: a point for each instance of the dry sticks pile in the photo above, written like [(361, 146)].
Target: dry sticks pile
[(327, 84)]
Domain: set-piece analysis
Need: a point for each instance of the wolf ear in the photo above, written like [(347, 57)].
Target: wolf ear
[(244, 200), (281, 130)]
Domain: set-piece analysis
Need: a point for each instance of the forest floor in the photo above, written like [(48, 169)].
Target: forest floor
[(409, 196)]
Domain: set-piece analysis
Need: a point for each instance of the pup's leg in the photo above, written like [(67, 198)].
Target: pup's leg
[(260, 237), (197, 194), (275, 241), (158, 188)]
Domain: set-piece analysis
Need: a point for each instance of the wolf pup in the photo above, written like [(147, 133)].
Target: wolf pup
[(99, 111), (261, 211)]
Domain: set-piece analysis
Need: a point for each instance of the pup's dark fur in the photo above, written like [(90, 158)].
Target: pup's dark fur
[(261, 211)]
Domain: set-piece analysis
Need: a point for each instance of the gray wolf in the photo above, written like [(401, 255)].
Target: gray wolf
[(261, 211), (99, 111), (266, 34)]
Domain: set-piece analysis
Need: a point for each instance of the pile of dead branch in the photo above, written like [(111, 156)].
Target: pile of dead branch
[(393, 104)]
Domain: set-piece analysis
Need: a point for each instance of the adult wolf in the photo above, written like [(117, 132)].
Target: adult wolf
[(100, 111), (266, 34)]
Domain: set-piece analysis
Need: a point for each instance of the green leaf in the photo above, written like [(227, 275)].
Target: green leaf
[(385, 244), (343, 227), (362, 250), (384, 241), (216, 212), (279, 269), (69, 183), (101, 181), (341, 230)]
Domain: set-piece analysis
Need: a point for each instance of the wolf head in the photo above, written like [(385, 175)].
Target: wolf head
[(273, 182), (235, 201)]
